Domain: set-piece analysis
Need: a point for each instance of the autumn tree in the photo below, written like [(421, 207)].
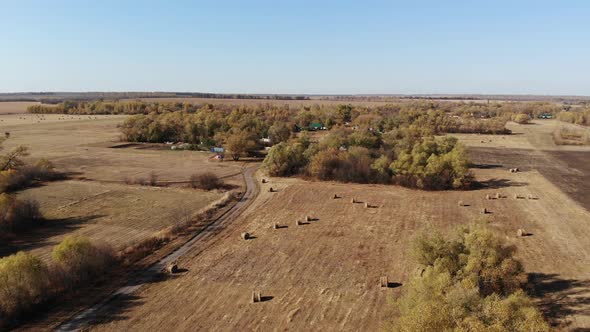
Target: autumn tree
[(470, 282), (240, 142), (279, 132)]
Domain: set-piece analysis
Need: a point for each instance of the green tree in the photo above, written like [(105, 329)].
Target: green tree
[(470, 282), (23, 281), (81, 259), (284, 159)]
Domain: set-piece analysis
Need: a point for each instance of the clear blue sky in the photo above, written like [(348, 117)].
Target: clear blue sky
[(516, 47)]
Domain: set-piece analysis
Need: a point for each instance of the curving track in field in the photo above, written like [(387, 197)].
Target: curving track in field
[(88, 315)]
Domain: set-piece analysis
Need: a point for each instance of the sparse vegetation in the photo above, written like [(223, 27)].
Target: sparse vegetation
[(19, 215), (470, 283), (571, 136), (579, 117), (206, 181)]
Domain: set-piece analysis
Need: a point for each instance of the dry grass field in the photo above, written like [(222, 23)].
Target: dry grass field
[(95, 201), (15, 107), (324, 275)]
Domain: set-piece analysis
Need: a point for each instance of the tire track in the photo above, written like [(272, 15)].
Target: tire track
[(87, 316)]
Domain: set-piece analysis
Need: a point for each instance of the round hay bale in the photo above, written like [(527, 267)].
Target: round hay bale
[(335, 196), (488, 196), (484, 211), (366, 205), (516, 169), (172, 268), (353, 200), (256, 297), (307, 218), (276, 225), (460, 203), (498, 196), (298, 223), (516, 196), (263, 180), (270, 190), (245, 235), (521, 232), (384, 282)]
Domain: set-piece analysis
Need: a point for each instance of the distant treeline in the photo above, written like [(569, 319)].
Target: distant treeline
[(58, 97), (460, 108), (382, 144), (391, 143)]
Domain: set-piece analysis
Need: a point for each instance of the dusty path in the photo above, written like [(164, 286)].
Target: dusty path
[(153, 272)]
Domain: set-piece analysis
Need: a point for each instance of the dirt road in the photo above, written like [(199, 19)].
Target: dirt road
[(148, 276)]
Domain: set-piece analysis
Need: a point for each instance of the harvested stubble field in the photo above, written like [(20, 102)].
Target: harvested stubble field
[(324, 275), (95, 201), (15, 107)]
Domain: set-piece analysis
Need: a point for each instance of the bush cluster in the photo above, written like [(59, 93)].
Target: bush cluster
[(206, 181), (17, 215), (26, 281), (581, 117), (23, 176), (469, 283), (365, 156)]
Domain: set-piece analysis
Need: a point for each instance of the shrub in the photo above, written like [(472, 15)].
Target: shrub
[(14, 179), (153, 179), (206, 181), (470, 283), (433, 164), (521, 118), (17, 215), (23, 282), (143, 248), (284, 159), (80, 260)]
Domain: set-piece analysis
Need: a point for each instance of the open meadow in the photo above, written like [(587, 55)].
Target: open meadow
[(324, 274), (15, 107), (98, 200)]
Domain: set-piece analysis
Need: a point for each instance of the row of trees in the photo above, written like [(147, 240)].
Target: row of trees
[(240, 128), (26, 281), (403, 156), (439, 117), (468, 109), (470, 282)]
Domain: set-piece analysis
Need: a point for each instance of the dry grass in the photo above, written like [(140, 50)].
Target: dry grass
[(325, 273), (15, 107), (96, 202), (569, 135)]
